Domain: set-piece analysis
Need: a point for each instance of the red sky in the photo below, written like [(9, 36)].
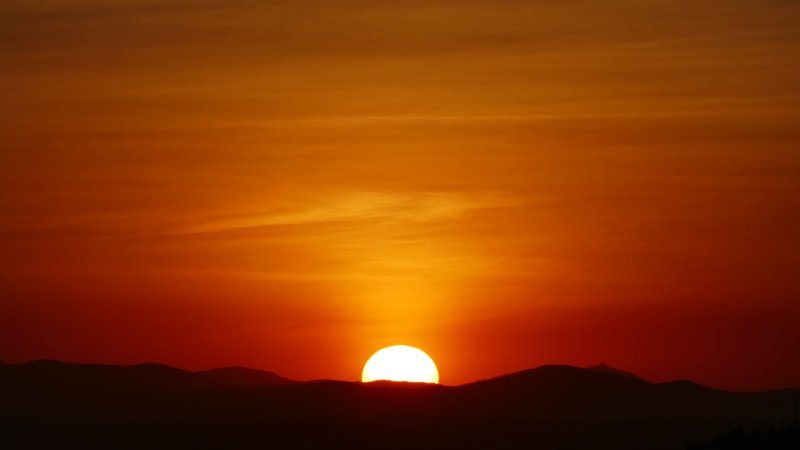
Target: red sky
[(291, 185)]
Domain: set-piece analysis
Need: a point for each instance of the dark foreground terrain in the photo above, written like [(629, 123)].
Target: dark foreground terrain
[(49, 404)]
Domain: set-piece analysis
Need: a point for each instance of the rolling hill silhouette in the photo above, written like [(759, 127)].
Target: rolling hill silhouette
[(242, 376), (605, 368), (51, 404)]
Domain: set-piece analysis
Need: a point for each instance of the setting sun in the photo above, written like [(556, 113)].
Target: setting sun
[(400, 363)]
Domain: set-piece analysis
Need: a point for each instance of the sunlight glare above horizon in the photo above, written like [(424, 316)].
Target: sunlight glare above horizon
[(400, 363)]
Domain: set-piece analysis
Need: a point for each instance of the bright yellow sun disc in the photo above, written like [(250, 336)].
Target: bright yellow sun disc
[(400, 363)]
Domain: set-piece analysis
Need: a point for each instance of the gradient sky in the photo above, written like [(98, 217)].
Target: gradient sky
[(291, 185)]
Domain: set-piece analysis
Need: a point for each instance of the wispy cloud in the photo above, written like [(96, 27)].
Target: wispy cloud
[(356, 206)]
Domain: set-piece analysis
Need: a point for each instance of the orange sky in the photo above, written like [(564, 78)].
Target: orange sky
[(290, 185)]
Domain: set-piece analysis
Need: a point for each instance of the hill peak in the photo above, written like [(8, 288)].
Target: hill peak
[(606, 368), (244, 376)]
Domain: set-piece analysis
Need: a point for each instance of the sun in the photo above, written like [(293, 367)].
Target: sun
[(400, 363)]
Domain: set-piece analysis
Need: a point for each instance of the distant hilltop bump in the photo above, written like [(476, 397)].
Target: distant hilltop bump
[(605, 368)]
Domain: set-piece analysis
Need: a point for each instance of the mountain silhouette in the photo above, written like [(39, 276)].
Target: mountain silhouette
[(57, 375), (605, 368), (243, 376), (51, 404)]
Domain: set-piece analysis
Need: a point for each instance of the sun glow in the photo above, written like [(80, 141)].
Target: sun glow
[(400, 363)]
